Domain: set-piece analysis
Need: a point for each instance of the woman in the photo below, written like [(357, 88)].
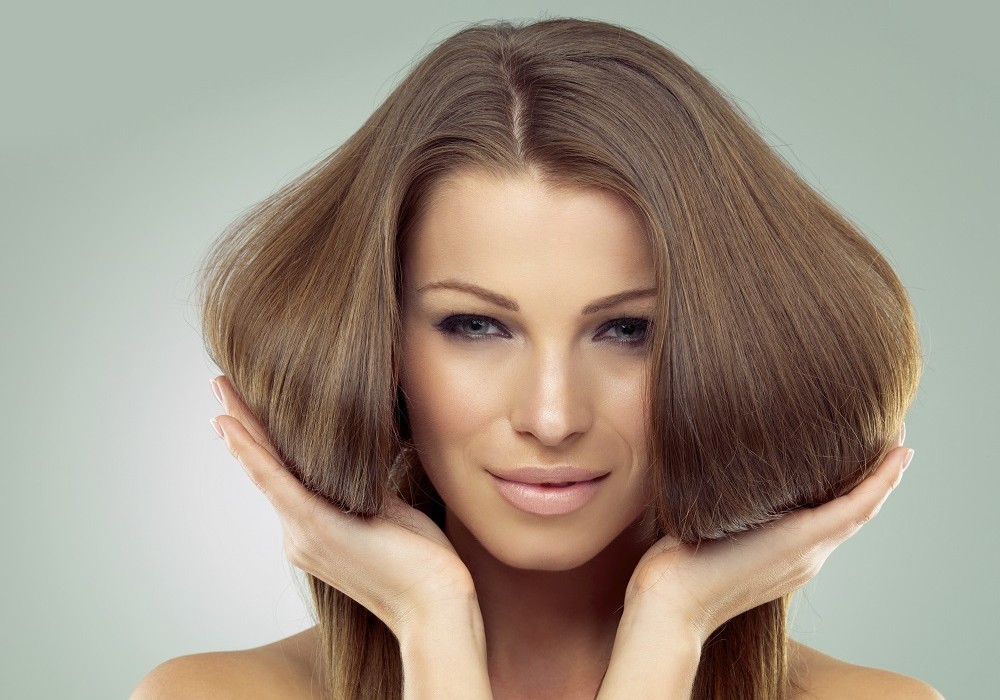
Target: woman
[(561, 383)]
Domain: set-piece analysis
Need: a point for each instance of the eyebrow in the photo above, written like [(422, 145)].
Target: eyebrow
[(511, 305)]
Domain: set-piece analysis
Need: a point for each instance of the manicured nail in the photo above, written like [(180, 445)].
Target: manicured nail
[(218, 428), (907, 458), (216, 391)]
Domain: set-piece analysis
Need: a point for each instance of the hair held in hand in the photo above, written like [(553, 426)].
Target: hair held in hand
[(785, 350)]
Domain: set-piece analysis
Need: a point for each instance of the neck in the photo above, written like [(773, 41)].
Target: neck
[(550, 631)]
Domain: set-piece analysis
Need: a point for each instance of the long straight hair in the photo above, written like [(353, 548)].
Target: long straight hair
[(785, 351)]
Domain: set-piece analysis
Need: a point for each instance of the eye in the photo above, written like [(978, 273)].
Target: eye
[(469, 327), (630, 331)]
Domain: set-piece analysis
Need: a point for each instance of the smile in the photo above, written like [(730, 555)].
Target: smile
[(548, 499)]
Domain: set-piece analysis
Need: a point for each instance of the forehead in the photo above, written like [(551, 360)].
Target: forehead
[(517, 229)]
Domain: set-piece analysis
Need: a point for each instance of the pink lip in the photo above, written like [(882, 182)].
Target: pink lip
[(547, 475), (547, 500)]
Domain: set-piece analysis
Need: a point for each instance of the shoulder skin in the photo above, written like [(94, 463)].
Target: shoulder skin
[(818, 676), (283, 669), (286, 669)]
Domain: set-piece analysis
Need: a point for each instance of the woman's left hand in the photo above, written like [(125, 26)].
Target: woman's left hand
[(679, 594), (699, 587)]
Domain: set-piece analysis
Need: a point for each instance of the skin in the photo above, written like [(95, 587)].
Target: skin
[(551, 387)]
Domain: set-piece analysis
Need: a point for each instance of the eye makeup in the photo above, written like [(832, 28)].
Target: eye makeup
[(474, 327)]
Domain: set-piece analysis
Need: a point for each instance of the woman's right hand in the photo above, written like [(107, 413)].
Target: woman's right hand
[(401, 567)]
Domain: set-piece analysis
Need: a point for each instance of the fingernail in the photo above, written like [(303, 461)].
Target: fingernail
[(218, 428), (902, 434), (907, 458), (216, 391)]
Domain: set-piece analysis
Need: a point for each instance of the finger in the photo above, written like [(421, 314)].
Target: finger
[(840, 518), (282, 489), (235, 407), (312, 527), (865, 500)]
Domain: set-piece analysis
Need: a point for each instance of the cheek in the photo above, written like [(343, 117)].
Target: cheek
[(623, 403), (448, 399)]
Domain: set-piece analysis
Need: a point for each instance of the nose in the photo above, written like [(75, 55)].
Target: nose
[(550, 398)]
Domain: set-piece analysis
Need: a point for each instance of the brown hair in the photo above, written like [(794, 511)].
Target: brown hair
[(785, 348)]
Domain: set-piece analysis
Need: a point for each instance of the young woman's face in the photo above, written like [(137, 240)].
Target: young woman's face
[(504, 366)]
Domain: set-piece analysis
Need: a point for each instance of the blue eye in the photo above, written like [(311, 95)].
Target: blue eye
[(634, 330), (466, 326)]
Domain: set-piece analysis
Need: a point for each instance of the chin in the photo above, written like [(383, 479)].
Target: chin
[(556, 549), (535, 560)]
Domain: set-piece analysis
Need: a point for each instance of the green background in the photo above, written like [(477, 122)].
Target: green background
[(132, 133)]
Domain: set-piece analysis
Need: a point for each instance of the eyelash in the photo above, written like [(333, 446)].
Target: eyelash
[(449, 326)]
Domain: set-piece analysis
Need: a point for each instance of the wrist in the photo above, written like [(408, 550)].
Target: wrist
[(434, 608), (647, 622), (652, 616), (462, 620), (445, 655), (655, 655)]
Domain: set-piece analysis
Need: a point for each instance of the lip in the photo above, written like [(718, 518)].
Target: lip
[(548, 475), (547, 500)]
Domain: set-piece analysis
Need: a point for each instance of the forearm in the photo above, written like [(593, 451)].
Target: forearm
[(445, 657), (653, 657)]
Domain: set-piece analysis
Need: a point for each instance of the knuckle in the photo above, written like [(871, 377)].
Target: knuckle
[(302, 546), (849, 528), (810, 571), (292, 552), (805, 567), (297, 550), (864, 518), (809, 563), (806, 570)]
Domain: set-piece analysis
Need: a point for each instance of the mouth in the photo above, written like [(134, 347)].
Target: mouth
[(560, 484), (561, 475), (548, 498)]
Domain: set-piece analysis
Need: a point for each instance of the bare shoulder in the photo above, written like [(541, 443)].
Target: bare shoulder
[(818, 676), (287, 668)]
